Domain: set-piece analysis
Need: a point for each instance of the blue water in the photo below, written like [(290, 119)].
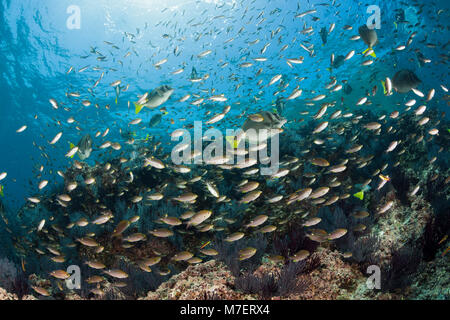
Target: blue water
[(37, 49)]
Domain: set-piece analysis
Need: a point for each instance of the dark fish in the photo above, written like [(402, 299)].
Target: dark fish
[(194, 74), (85, 147), (420, 58), (405, 80), (369, 36), (323, 35), (400, 16), (338, 61), (155, 120), (347, 89)]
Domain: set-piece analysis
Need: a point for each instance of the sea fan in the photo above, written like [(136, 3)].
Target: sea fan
[(8, 274), (282, 282)]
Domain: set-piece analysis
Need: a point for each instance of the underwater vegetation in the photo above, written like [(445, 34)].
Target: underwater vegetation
[(337, 161), (279, 283)]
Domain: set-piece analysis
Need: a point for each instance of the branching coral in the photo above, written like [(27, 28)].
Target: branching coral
[(294, 240), (228, 253), (281, 282)]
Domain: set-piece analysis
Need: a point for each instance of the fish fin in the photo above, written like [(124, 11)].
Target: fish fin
[(137, 107), (372, 54), (359, 195), (384, 86), (233, 141)]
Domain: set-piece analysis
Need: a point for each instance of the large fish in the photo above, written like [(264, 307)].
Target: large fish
[(260, 131), (84, 147), (405, 80), (156, 98), (370, 38)]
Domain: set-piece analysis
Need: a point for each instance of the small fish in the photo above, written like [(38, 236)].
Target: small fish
[(116, 273)]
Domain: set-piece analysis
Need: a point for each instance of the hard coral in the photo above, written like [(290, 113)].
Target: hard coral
[(197, 282)]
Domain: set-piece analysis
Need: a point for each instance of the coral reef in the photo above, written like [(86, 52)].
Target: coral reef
[(197, 282)]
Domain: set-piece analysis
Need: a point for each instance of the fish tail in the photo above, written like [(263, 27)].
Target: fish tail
[(372, 54), (233, 141), (137, 107), (71, 147), (384, 86), (359, 195)]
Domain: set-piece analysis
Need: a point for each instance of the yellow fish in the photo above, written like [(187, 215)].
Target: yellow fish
[(205, 244), (1, 191), (443, 239)]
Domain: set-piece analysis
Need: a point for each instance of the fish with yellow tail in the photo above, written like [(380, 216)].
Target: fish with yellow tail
[(370, 38), (84, 148), (153, 99), (360, 194)]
